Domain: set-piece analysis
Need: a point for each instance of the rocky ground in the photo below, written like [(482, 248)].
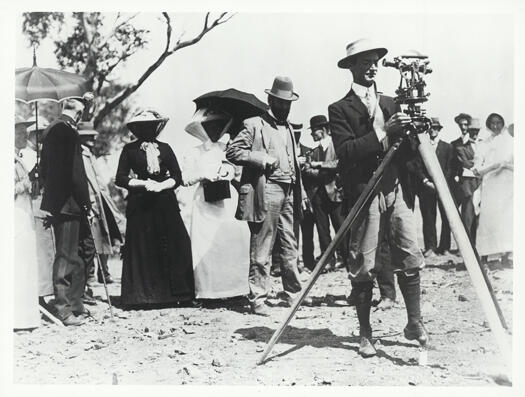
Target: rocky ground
[(220, 343)]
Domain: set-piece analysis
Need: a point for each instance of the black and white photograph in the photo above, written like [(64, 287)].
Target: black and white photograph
[(224, 194)]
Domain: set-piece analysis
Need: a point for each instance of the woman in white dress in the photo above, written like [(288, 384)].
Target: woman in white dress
[(219, 242), (26, 315), (494, 163)]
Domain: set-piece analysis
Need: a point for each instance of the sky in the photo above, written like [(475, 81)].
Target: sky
[(472, 56)]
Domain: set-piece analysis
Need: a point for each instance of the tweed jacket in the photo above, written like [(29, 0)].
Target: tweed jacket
[(249, 149)]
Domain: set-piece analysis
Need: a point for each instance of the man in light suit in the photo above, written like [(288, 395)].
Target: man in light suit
[(271, 196), (364, 124), (104, 228)]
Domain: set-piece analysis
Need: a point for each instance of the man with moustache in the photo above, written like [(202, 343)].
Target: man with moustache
[(364, 124), (271, 196)]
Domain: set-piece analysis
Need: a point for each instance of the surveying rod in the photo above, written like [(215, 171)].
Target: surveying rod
[(465, 248)]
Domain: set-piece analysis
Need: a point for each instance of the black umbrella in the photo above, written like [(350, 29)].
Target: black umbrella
[(238, 104)]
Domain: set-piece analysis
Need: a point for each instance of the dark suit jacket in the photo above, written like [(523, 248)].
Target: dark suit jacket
[(64, 177), (464, 156), (325, 177), (445, 155), (249, 149), (358, 149)]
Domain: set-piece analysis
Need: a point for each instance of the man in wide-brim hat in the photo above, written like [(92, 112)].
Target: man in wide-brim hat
[(363, 125), (271, 195)]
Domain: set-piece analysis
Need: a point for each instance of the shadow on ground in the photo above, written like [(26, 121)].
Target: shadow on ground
[(318, 338)]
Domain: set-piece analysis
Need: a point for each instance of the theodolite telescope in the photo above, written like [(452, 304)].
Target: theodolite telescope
[(411, 91)]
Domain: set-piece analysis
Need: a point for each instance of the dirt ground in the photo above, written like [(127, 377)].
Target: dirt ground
[(220, 343)]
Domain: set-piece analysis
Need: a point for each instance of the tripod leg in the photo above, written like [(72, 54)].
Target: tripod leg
[(467, 252), (358, 207)]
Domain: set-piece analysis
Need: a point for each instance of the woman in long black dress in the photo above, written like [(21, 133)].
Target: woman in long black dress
[(157, 262)]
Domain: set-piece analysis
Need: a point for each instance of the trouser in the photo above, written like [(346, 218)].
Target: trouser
[(428, 202), (276, 228), (102, 267), (385, 276), (394, 224), (387, 219), (469, 218), (307, 231), (71, 234), (325, 211)]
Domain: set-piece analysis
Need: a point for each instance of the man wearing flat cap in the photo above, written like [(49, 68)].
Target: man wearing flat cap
[(364, 124), (426, 191), (271, 197), (66, 197)]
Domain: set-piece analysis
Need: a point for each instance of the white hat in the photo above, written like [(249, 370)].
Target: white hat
[(358, 47)]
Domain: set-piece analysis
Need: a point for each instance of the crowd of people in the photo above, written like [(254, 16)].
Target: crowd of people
[(258, 197)]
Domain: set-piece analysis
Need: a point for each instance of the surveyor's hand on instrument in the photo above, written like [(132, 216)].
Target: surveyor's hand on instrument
[(397, 123)]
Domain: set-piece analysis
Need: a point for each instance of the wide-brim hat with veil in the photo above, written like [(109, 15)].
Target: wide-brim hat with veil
[(209, 123), (147, 124)]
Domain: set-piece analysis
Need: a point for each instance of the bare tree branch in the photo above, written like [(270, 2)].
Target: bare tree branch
[(124, 94), (168, 30)]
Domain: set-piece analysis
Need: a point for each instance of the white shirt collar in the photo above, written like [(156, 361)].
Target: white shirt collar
[(361, 90)]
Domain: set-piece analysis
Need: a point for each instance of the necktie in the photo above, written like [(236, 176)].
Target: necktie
[(369, 105)]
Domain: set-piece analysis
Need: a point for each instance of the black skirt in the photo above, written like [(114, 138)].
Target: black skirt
[(157, 262)]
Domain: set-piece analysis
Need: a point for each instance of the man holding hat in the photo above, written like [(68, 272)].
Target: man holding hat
[(271, 196), (66, 197), (323, 189), (467, 180), (364, 124), (426, 191), (104, 225)]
